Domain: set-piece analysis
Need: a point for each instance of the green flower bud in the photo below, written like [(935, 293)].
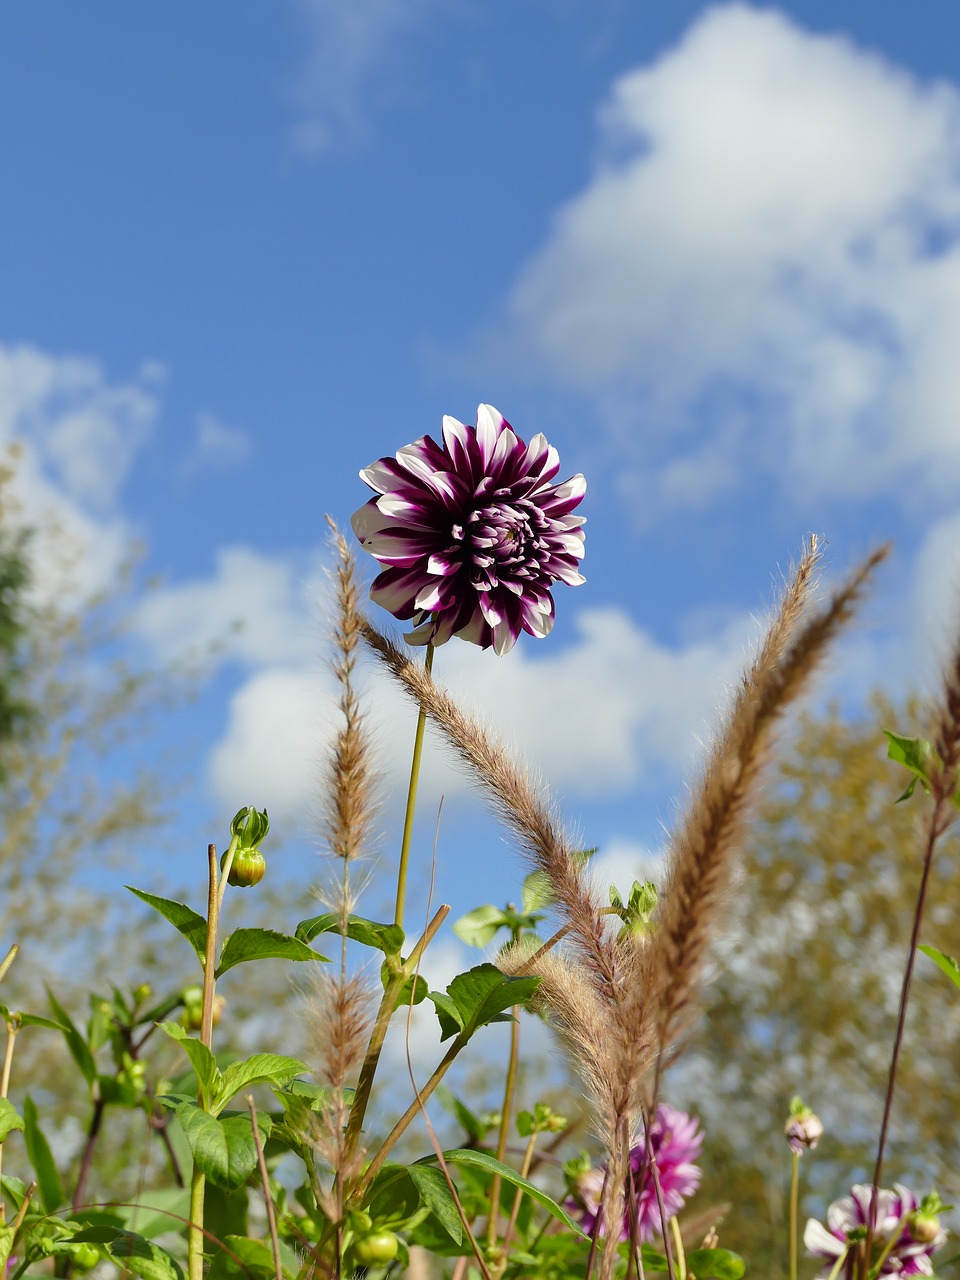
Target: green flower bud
[(377, 1249), (248, 868), (924, 1227)]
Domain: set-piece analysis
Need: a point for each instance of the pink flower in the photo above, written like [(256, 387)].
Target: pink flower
[(472, 533), (897, 1217), (676, 1142)]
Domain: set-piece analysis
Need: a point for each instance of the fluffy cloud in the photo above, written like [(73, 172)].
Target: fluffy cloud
[(766, 264), (592, 719), (76, 435), (349, 49)]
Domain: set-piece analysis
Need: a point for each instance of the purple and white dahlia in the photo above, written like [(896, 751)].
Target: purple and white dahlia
[(472, 533), (905, 1234), (675, 1139)]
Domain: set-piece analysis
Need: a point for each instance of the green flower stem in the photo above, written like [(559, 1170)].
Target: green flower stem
[(411, 801), (215, 891), (398, 1130), (7, 961), (885, 1251), (678, 1247), (12, 1029), (835, 1269), (388, 1003), (518, 1198), (794, 1213), (506, 1113)]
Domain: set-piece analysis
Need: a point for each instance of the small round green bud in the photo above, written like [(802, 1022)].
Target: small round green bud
[(248, 868), (924, 1227), (84, 1256), (377, 1249)]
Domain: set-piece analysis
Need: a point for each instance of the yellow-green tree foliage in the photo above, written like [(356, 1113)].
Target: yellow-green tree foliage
[(808, 985)]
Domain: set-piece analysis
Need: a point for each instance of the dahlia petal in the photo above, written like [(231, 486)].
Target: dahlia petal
[(504, 638), (564, 573), (414, 458), (396, 591), (400, 547), (817, 1239), (489, 425), (368, 520), (456, 440), (382, 475), (442, 563)]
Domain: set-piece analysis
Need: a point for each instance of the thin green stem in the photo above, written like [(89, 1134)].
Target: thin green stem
[(215, 891), (398, 1130), (794, 1213), (12, 1029), (518, 1198), (506, 1113), (411, 802), (678, 1246)]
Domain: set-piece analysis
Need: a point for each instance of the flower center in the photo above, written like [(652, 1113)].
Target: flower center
[(502, 543)]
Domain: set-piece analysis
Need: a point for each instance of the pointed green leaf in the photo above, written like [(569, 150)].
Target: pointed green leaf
[(30, 1020), (10, 1118), (201, 1059), (143, 1258), (413, 991), (263, 944), (79, 1049), (478, 997), (480, 1160), (222, 1146), (183, 918), (6, 1245), (261, 1068), (947, 963), (244, 1259), (41, 1160), (479, 927), (387, 938), (915, 754), (537, 892), (715, 1264), (436, 1195), (473, 1126)]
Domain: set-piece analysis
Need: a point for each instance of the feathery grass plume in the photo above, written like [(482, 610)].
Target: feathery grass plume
[(348, 800), (702, 848), (340, 1005), (521, 805)]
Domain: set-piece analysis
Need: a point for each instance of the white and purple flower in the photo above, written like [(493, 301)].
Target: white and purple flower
[(899, 1224), (472, 533), (676, 1141)]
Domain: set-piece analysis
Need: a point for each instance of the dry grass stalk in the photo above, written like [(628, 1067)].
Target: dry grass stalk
[(349, 807), (700, 861), (520, 804)]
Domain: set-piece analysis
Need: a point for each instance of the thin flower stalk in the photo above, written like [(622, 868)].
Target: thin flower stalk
[(942, 815)]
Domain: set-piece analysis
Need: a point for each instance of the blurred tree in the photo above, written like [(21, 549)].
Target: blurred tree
[(808, 986)]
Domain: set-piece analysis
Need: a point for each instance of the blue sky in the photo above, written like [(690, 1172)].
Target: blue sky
[(712, 252)]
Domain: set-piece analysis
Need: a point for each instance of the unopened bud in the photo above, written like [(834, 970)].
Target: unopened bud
[(803, 1130), (924, 1227)]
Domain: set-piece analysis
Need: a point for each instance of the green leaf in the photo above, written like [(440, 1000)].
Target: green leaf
[(41, 1160), (143, 1258), (414, 989), (387, 938), (537, 892), (244, 1259), (222, 1146), (30, 1020), (480, 1160), (915, 754), (438, 1198), (715, 1264), (474, 1127), (10, 1118), (261, 1068), (6, 1245), (183, 918), (479, 927), (652, 1259), (262, 944), (79, 1049), (201, 1059), (478, 997), (947, 963)]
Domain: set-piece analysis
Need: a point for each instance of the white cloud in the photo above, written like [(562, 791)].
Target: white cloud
[(764, 272), (271, 606), (351, 52), (77, 435), (592, 719), (218, 446)]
